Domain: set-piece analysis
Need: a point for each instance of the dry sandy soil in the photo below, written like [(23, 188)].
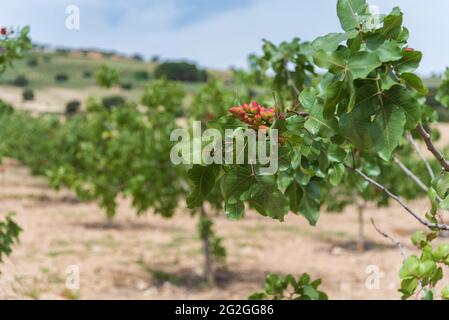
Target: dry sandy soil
[(152, 258)]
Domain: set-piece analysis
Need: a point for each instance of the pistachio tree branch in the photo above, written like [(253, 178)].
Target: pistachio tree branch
[(410, 174), (421, 155), (399, 201), (432, 148), (384, 234)]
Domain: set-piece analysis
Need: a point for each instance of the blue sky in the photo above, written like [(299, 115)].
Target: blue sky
[(215, 33)]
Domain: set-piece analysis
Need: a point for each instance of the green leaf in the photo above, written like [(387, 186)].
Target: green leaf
[(441, 253), (445, 203), (388, 130), (409, 62), (329, 42), (336, 174), (445, 293), (392, 24), (234, 211), (419, 239), (409, 268), (348, 12), (441, 184), (408, 287), (295, 193), (203, 178), (428, 295), (402, 99), (310, 203), (415, 82), (334, 94), (362, 63), (332, 61), (235, 183), (426, 268), (389, 51)]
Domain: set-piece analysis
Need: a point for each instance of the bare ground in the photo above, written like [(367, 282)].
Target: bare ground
[(150, 257)]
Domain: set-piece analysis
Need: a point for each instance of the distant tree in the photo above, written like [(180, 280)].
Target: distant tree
[(61, 77), (20, 81), (32, 62), (87, 74), (180, 71), (126, 85), (107, 77), (137, 57), (72, 107), (28, 94), (155, 58), (113, 101), (142, 75)]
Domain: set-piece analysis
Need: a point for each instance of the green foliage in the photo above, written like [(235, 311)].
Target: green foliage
[(180, 71), (28, 94), (107, 77), (291, 64), (72, 107), (13, 48), (20, 81), (288, 288), (113, 101), (423, 273), (62, 77), (211, 102), (142, 75), (9, 235), (443, 91), (163, 96)]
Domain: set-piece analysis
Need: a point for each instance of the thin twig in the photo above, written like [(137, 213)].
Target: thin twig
[(399, 201), (421, 155), (432, 148), (411, 175), (397, 243), (419, 182)]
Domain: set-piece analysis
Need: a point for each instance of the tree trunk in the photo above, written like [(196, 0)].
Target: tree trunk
[(208, 268), (361, 223)]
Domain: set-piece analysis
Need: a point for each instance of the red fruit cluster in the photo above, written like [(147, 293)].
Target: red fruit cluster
[(254, 115), (409, 49), (4, 31)]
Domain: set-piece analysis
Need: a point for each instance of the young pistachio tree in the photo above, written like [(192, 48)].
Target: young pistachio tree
[(13, 45), (125, 151), (363, 108)]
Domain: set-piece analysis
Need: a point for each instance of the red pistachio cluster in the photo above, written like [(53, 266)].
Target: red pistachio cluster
[(254, 115), (4, 31)]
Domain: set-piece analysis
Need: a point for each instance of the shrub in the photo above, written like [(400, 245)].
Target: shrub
[(72, 107), (5, 108), (87, 74), (107, 77), (20, 81), (142, 75), (61, 77), (126, 85), (113, 101), (137, 57), (32, 62), (27, 95), (180, 71)]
